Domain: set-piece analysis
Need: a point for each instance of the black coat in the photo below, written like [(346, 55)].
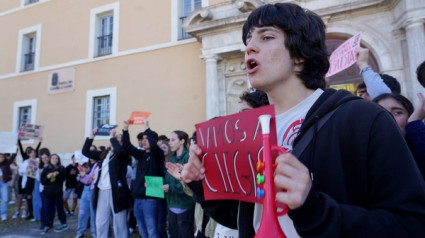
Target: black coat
[(5, 167), (53, 188), (118, 162)]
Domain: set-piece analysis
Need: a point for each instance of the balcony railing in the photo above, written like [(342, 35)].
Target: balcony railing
[(104, 45), (29, 61), (31, 1), (183, 34)]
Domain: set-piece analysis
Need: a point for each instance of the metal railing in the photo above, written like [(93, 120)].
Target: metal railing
[(104, 45), (29, 61), (183, 34)]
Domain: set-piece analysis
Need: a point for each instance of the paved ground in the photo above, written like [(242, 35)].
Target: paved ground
[(33, 231)]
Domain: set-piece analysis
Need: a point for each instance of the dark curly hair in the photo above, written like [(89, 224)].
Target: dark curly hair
[(304, 37), (255, 98)]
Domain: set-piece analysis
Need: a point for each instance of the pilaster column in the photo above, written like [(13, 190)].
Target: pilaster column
[(211, 86), (415, 38)]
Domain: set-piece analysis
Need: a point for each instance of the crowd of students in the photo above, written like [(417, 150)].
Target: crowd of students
[(360, 173)]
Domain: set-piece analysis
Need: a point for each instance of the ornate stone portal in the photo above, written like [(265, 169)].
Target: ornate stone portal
[(393, 30)]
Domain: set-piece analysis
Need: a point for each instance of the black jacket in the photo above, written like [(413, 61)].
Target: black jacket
[(118, 162), (71, 179), (149, 163), (365, 181), (53, 188), (5, 167)]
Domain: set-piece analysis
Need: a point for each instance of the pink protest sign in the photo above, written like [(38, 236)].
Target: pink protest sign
[(344, 56), (232, 145)]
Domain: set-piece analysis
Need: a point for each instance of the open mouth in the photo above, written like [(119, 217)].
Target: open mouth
[(251, 64)]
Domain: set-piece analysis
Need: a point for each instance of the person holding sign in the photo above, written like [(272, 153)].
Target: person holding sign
[(338, 178), (22, 180), (27, 171), (150, 163), (180, 205), (111, 194), (373, 82)]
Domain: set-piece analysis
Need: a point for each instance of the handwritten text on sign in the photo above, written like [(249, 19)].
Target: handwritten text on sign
[(232, 145), (30, 131), (344, 56)]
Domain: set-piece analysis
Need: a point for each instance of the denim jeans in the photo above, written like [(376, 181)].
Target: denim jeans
[(4, 195), (36, 201), (86, 212), (146, 213), (44, 211)]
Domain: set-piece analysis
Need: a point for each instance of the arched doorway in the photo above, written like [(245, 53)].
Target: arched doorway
[(349, 78)]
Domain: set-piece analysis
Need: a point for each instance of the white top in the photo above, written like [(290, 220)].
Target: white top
[(288, 124), (224, 232), (105, 180), (22, 170)]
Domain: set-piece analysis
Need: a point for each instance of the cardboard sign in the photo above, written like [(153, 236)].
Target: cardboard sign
[(30, 131), (8, 142), (80, 158), (232, 145), (137, 117), (104, 129), (344, 56), (154, 186), (32, 168)]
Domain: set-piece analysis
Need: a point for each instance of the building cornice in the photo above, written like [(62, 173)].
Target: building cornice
[(227, 15)]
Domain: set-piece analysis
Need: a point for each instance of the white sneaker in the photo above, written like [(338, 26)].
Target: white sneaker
[(12, 202), (16, 215), (24, 214)]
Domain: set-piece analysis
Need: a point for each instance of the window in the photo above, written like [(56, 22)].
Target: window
[(30, 1), (100, 110), (104, 22), (24, 112), (101, 107), (187, 6), (29, 50), (104, 40), (24, 115)]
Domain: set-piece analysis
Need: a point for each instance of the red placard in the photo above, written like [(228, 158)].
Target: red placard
[(232, 145)]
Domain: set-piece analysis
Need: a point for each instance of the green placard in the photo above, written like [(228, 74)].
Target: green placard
[(154, 186)]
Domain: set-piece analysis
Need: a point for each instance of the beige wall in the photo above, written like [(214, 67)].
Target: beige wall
[(169, 82), (66, 29), (145, 23), (7, 5), (153, 82)]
